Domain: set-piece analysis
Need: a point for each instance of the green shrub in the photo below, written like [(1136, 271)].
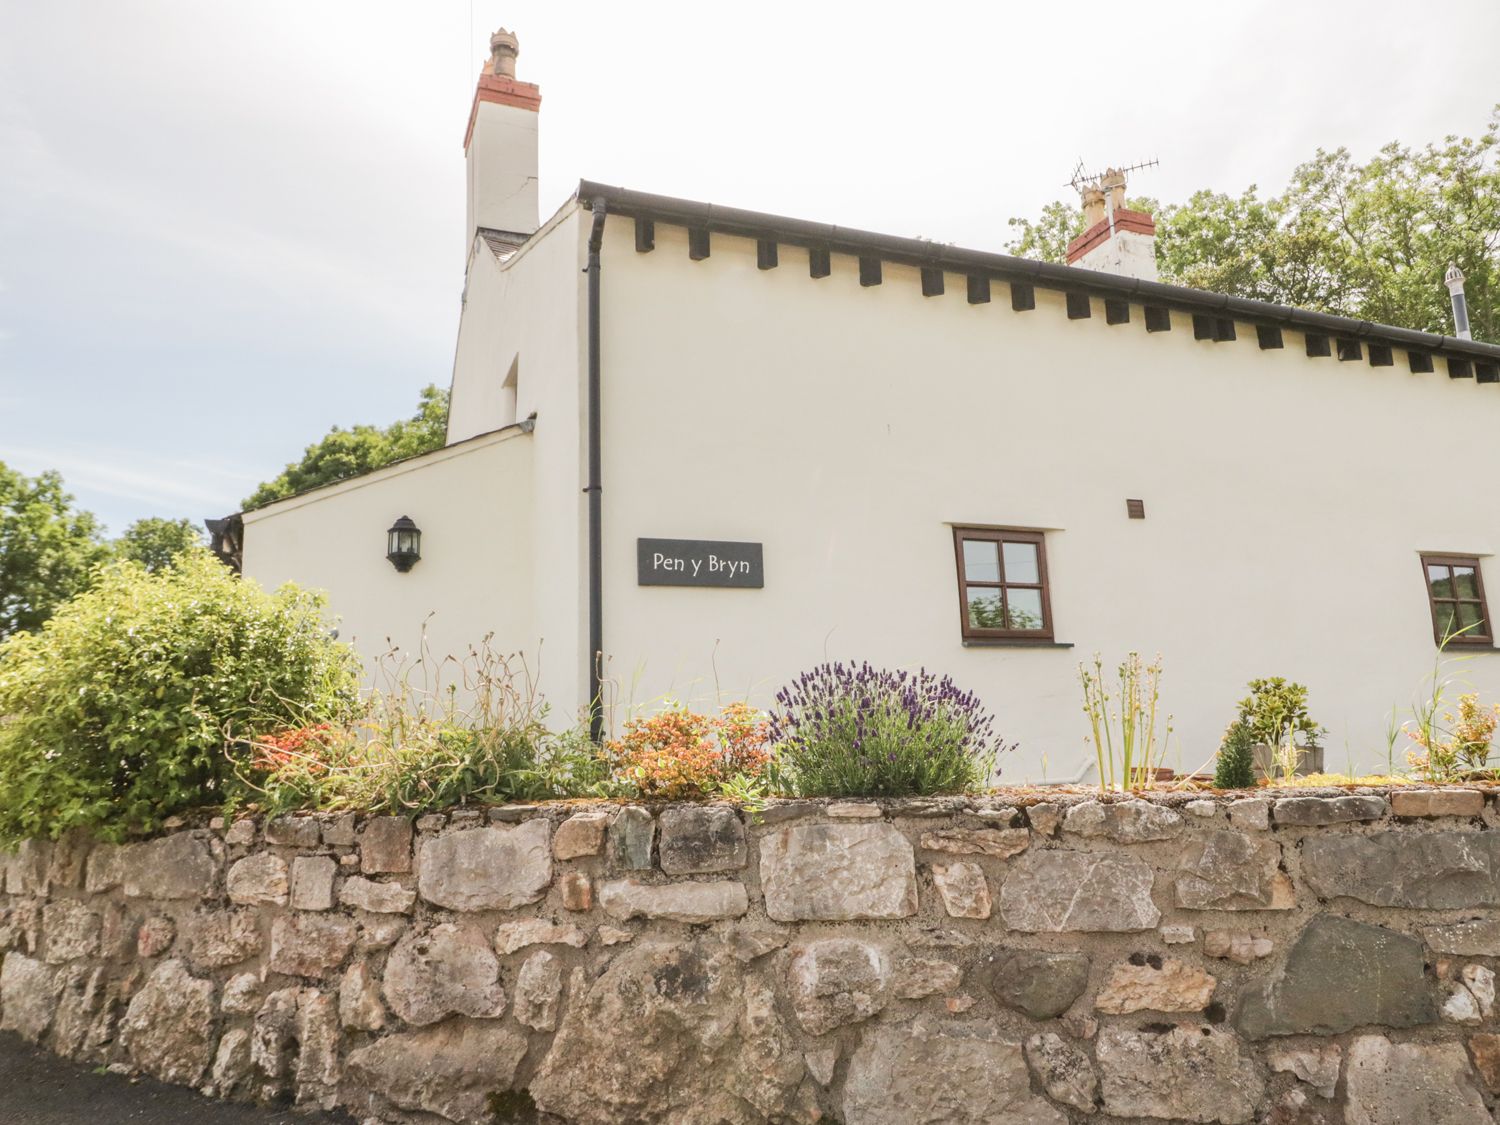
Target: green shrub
[(119, 711), (1235, 768), (845, 730)]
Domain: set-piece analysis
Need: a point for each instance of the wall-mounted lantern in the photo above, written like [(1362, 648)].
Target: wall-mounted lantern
[(404, 544)]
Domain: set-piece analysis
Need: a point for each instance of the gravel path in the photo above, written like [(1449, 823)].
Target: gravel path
[(37, 1088)]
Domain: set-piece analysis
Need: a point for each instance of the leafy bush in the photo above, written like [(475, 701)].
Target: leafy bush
[(678, 754), (1276, 713), (1235, 768), (1457, 746), (841, 730), (117, 711)]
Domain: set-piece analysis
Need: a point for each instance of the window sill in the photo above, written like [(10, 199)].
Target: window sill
[(1013, 642)]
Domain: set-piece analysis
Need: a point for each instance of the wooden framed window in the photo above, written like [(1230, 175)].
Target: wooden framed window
[(1002, 584), (1455, 591)]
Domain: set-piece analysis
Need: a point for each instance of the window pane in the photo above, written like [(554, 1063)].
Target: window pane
[(1441, 580), (1020, 563), (1464, 582), (1470, 619), (985, 609), (981, 560), (1025, 607), (1445, 618)]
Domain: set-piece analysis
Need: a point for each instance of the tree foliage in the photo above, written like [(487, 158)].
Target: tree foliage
[(349, 453), (121, 709), (48, 548), (1369, 240), (154, 542)]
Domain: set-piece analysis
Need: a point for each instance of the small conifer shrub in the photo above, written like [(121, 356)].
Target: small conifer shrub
[(1236, 764)]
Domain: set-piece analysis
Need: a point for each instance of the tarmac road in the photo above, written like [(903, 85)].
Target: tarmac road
[(37, 1088)]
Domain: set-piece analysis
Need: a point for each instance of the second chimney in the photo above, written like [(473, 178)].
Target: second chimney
[(1115, 239), (500, 147)]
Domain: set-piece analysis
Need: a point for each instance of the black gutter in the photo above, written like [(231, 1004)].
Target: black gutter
[(599, 205), (918, 252)]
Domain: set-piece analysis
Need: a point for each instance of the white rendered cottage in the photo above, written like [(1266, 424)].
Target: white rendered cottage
[(877, 448)]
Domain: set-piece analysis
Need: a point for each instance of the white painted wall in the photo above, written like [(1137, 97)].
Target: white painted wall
[(1128, 254), (501, 169), (1287, 498), (474, 504)]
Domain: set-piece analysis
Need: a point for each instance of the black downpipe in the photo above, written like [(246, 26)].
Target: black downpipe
[(595, 489)]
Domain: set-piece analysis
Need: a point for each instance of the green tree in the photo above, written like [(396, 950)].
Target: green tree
[(48, 548), (349, 453), (1369, 240), (154, 542)]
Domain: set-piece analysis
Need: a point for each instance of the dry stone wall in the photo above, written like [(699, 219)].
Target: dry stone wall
[(1327, 960)]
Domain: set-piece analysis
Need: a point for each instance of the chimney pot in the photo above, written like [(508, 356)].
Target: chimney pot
[(504, 48), (1454, 279)]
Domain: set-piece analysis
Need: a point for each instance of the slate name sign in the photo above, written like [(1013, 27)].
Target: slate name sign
[(699, 562)]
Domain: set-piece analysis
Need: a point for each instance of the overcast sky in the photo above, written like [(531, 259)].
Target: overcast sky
[(225, 227)]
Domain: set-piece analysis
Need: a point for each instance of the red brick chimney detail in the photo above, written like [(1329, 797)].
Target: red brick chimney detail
[(1136, 221), (502, 91)]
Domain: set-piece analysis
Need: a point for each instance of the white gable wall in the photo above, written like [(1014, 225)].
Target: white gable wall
[(1287, 498)]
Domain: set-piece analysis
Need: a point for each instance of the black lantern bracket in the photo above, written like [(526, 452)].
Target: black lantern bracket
[(403, 544)]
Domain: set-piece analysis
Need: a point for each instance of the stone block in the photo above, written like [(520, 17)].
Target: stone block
[(312, 882), (1317, 1066), (1242, 949), (702, 840), (1185, 1074), (26, 868), (450, 1071), (294, 832), (577, 891), (316, 1078), (631, 833), (376, 897), (1250, 814), (220, 938), (71, 930), (385, 846), (1044, 819), (1148, 983), (837, 981), (70, 853), (1436, 802), (1311, 811), (1339, 975), (917, 977), (838, 872), (949, 1073), (29, 991), (1043, 985), (242, 995), (338, 831), (102, 871), (1479, 937), (582, 834), (1232, 871), (310, 945), (1001, 843), (1064, 1071), (1411, 870), (539, 991), (1484, 1048), (674, 902), (963, 889), (168, 1029), (536, 931), (1124, 822), (1402, 1083), (155, 936), (447, 970), (1058, 891), (489, 868), (853, 810), (259, 878), (180, 866), (360, 1006)]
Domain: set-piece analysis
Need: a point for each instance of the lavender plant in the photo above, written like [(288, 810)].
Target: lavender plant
[(847, 730)]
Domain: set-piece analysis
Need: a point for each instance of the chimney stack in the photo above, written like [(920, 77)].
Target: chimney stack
[(500, 147), (1114, 240), (1454, 279)]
